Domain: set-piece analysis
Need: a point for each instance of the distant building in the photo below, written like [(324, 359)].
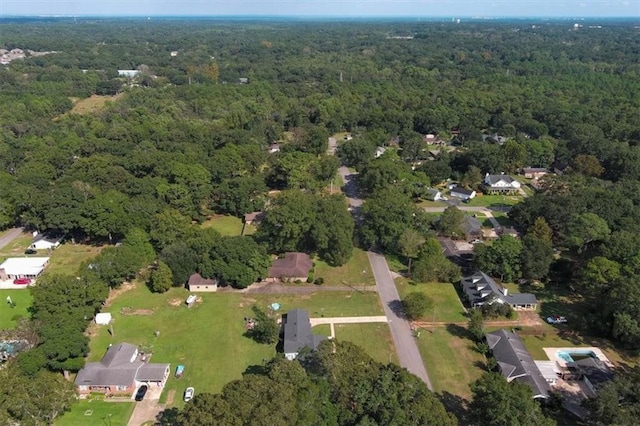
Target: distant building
[(128, 73), (534, 172), (293, 266), (480, 289), (433, 194), (297, 333), (243, 80), (500, 184), (22, 267), (380, 151), (198, 283), (462, 193), (45, 242)]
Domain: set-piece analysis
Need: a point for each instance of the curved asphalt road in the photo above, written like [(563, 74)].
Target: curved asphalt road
[(406, 347)]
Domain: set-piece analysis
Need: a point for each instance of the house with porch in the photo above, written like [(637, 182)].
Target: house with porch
[(501, 184), (294, 266), (22, 267), (121, 371), (515, 361), (480, 288)]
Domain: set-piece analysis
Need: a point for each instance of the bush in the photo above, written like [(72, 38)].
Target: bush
[(310, 278), (319, 281), (415, 305)]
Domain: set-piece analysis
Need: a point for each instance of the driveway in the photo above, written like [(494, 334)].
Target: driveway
[(9, 236), (147, 410)]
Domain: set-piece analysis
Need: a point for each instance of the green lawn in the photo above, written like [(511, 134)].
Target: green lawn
[(374, 338), (97, 413), (225, 225), (9, 316), (322, 329), (495, 200), (208, 338), (503, 219), (429, 203), (355, 273), (68, 257), (16, 247), (446, 302), (450, 359)]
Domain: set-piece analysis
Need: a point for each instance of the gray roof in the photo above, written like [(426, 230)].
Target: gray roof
[(461, 190), (481, 288), (470, 225), (297, 332), (119, 367), (516, 362), (493, 179)]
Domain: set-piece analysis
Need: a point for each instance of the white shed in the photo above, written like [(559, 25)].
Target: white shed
[(103, 318)]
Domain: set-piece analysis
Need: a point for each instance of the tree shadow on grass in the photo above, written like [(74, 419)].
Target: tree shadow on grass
[(456, 405), (459, 331)]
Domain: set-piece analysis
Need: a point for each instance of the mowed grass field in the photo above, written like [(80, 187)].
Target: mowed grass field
[(447, 306), (450, 359), (226, 225), (9, 315), (355, 273), (208, 338), (66, 259), (16, 247), (374, 338), (97, 413)]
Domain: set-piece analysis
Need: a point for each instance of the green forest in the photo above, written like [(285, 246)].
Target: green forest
[(190, 134)]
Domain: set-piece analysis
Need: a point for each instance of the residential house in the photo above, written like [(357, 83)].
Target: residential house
[(198, 283), (379, 151), (559, 167), (22, 267), (494, 138), (534, 172), (432, 139), (243, 80), (128, 73), (253, 218), (515, 361), (433, 194), (471, 227), (297, 333), (480, 288), (500, 184), (293, 266), (462, 193), (274, 147), (120, 371), (45, 241)]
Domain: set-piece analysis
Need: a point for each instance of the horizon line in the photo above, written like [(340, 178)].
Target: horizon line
[(312, 16)]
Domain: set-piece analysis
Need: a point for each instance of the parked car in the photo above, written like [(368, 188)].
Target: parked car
[(22, 281), (476, 241), (142, 391), (188, 394), (556, 320), (30, 251)]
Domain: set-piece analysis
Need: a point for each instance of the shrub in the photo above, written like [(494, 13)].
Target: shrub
[(416, 304), (319, 281)]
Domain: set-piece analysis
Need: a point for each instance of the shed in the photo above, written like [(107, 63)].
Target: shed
[(103, 318)]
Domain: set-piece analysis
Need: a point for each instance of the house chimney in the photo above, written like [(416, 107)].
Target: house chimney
[(504, 291)]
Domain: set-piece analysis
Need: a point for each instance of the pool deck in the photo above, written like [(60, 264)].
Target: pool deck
[(552, 354)]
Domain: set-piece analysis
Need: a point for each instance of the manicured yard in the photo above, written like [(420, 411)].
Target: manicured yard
[(503, 219), (355, 273), (446, 302), (374, 338), (68, 257), (97, 413), (8, 316), (495, 200), (322, 329), (450, 359), (429, 203), (208, 338), (225, 225)]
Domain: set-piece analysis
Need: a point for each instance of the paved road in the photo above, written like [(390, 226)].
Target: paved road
[(403, 339), (9, 236), (482, 210)]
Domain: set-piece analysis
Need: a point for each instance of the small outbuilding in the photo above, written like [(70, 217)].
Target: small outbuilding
[(198, 283), (45, 241), (103, 318)]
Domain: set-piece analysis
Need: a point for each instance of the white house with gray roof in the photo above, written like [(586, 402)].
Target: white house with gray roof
[(120, 371), (500, 184), (480, 288), (515, 361)]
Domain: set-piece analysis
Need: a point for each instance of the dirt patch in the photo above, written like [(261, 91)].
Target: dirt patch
[(247, 302), (131, 311), (113, 293), (170, 396), (175, 302)]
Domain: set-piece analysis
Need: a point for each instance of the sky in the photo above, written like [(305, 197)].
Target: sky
[(325, 8)]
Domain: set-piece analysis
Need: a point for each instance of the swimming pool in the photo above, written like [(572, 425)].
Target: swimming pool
[(573, 356)]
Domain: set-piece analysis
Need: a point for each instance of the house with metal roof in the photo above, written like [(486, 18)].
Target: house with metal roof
[(480, 288), (120, 371), (462, 193), (297, 333), (515, 361), (22, 267)]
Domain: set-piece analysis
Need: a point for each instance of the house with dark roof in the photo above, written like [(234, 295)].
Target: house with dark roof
[(471, 227), (480, 288), (120, 371), (433, 194), (293, 266), (534, 172), (297, 333), (592, 371), (462, 193), (45, 241), (515, 361), (500, 184), (198, 283)]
